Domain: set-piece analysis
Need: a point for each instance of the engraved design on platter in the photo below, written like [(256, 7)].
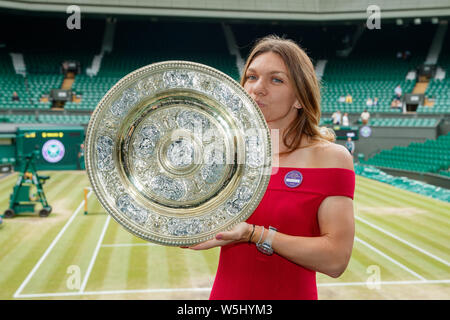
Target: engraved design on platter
[(172, 155), (179, 163)]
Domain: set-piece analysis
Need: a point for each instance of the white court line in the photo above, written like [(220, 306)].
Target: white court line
[(90, 293), (18, 295), (403, 241), (112, 245), (170, 290), (391, 259), (94, 257), (384, 283), (49, 249)]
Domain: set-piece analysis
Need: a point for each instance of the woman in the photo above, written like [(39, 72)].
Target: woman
[(309, 198), (345, 120)]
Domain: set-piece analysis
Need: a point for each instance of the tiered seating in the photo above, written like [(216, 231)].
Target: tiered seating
[(405, 183), (18, 118), (64, 119), (370, 70), (439, 90), (122, 63), (363, 78), (392, 122), (154, 42), (360, 89), (430, 156), (69, 119), (373, 70), (45, 43), (403, 122), (92, 89), (10, 83), (29, 90), (50, 62), (445, 172), (39, 84), (150, 43)]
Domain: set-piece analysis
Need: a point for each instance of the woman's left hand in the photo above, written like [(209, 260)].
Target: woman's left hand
[(240, 233)]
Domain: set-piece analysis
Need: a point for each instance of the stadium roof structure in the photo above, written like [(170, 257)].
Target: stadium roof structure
[(268, 10)]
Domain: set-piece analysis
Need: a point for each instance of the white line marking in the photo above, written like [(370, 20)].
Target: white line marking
[(384, 283), (391, 259), (129, 245), (163, 290), (169, 290), (50, 248), (94, 257), (403, 241)]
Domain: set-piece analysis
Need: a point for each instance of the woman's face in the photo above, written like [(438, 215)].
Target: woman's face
[(268, 83)]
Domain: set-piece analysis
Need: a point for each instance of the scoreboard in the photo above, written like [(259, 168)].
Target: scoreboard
[(59, 147)]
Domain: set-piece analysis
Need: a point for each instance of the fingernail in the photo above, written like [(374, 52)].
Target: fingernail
[(219, 237)]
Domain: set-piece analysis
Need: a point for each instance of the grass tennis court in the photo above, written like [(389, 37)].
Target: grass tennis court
[(402, 241)]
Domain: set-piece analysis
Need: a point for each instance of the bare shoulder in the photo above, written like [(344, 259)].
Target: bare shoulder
[(332, 155)]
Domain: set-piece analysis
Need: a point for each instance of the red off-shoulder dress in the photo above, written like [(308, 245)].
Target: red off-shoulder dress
[(246, 273)]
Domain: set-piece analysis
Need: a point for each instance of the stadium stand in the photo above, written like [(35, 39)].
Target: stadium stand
[(372, 69), (393, 122), (419, 187), (403, 122), (401, 155), (10, 82), (151, 42), (356, 61), (430, 156), (154, 42), (45, 45), (438, 90)]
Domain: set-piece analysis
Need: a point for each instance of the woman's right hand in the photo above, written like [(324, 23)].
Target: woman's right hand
[(240, 233)]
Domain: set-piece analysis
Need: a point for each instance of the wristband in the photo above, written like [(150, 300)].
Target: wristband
[(250, 239)]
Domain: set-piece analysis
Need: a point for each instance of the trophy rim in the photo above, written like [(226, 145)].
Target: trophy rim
[(106, 102)]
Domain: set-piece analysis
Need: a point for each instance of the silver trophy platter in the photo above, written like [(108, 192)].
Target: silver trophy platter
[(178, 151)]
